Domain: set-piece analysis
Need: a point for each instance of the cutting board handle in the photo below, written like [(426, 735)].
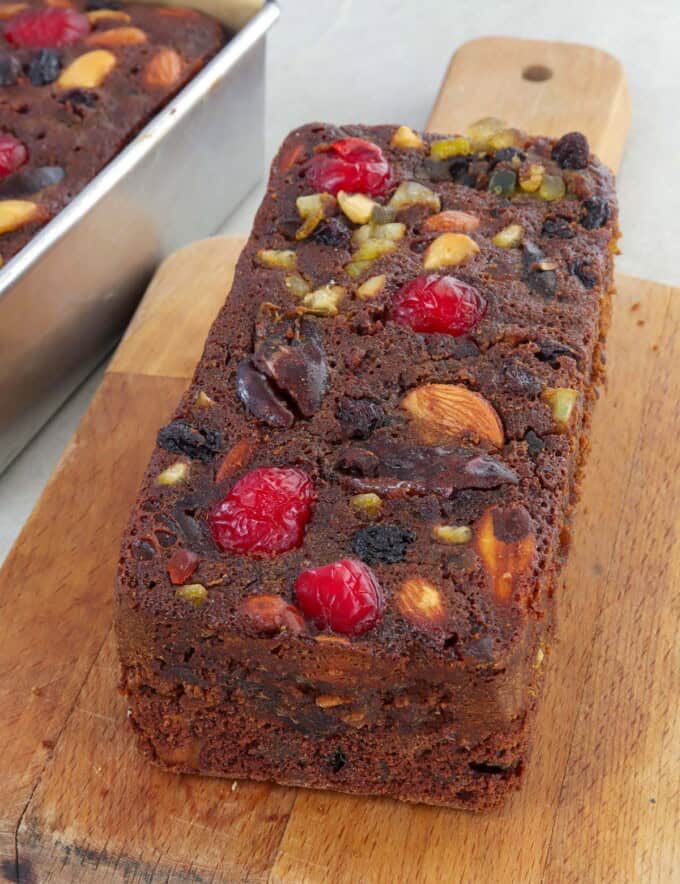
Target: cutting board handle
[(544, 88)]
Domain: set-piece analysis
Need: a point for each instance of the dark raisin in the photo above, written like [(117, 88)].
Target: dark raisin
[(165, 538), (507, 153), (10, 68), (534, 443), (180, 438), (44, 67), (543, 282), (516, 379), (332, 232), (79, 97), (459, 167), (596, 213), (382, 543), (337, 761), (585, 273), (30, 181), (557, 227), (552, 351), (359, 417), (571, 151)]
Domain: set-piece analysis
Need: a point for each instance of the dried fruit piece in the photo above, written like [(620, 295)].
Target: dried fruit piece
[(271, 614), (448, 250), (344, 596), (182, 565), (117, 37), (451, 410), (412, 193), (332, 232), (284, 258), (531, 177), (174, 474), (97, 15), (164, 70), (264, 513), (16, 213), (313, 208), (324, 301), (505, 542), (534, 443), (596, 213), (352, 165), (88, 71), (296, 284), (47, 28), (452, 220), (561, 401), (483, 131), (509, 236), (13, 154), (179, 437), (552, 188), (503, 182), (558, 227), (542, 281), (356, 206), (420, 602), (370, 233), (450, 147), (452, 533), (572, 151), (406, 139), (10, 68), (30, 181), (259, 396), (382, 543), (235, 459), (371, 287), (368, 503), (359, 418), (44, 67), (193, 593), (438, 304)]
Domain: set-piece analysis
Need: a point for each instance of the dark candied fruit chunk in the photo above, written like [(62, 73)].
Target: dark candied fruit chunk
[(596, 213), (534, 443), (540, 280), (382, 543), (352, 165), (337, 761), (504, 154), (44, 67), (332, 232), (264, 513), (344, 596), (585, 273), (442, 304), (10, 68), (181, 566), (180, 438), (13, 154), (258, 395), (503, 182), (359, 417), (558, 228), (80, 97), (47, 28), (437, 170), (571, 151), (552, 351)]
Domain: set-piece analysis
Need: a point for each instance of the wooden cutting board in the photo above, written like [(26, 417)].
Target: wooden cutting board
[(601, 801)]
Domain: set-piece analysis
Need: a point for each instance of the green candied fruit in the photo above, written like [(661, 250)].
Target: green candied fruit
[(503, 182), (552, 188)]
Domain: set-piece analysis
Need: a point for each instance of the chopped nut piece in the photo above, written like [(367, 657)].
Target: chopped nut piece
[(235, 459), (453, 221), (107, 15), (297, 285), (374, 248), (356, 206), (509, 236), (505, 543), (452, 533), (356, 268), (504, 138), (16, 213), (411, 193), (483, 130), (328, 701), (368, 503), (324, 301), (285, 258), (117, 37), (88, 71), (393, 230), (193, 593), (421, 602), (561, 401), (164, 69), (450, 147), (371, 287), (203, 400), (445, 410), (174, 474), (448, 250), (552, 188), (313, 208), (406, 139), (531, 177)]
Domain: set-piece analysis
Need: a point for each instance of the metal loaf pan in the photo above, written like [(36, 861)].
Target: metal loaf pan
[(67, 296)]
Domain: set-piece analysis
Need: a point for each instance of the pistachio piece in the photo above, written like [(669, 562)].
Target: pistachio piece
[(88, 71), (174, 474), (369, 503), (561, 401), (406, 139), (193, 593), (552, 188), (531, 177), (448, 250)]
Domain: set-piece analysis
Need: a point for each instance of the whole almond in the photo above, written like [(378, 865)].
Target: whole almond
[(506, 545), (451, 220), (117, 37), (235, 459), (420, 602), (88, 71), (164, 69), (450, 410)]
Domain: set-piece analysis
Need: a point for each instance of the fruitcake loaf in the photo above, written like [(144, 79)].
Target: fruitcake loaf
[(341, 566), (77, 82)]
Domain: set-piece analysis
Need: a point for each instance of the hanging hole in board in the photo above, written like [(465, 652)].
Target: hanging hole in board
[(537, 73)]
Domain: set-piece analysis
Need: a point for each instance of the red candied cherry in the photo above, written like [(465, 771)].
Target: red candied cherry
[(350, 164), (344, 595), (441, 304), (47, 28), (264, 513), (12, 154)]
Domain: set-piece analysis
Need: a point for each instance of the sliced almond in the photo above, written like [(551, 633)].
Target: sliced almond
[(450, 410), (449, 250), (174, 474), (505, 542), (406, 139), (371, 287), (117, 37), (451, 220), (15, 213), (420, 602), (283, 258), (97, 15), (164, 70), (88, 71), (356, 206)]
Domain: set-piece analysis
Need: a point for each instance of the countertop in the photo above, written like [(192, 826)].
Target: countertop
[(368, 61)]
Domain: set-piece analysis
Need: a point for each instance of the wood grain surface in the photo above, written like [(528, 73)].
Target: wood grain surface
[(601, 801)]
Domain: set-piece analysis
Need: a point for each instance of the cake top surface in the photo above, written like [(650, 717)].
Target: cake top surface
[(380, 438)]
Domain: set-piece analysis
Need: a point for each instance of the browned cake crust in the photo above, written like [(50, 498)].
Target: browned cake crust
[(72, 129), (471, 480)]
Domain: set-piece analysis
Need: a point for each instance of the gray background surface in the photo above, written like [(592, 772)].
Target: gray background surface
[(368, 61)]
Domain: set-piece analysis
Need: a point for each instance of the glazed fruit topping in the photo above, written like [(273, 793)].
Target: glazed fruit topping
[(571, 151), (13, 154), (382, 543), (181, 566), (180, 438), (264, 513), (443, 304), (344, 596), (53, 27), (352, 165)]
